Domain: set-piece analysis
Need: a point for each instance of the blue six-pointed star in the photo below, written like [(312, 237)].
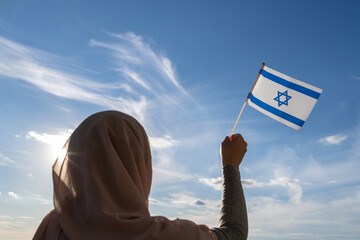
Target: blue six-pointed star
[(278, 98)]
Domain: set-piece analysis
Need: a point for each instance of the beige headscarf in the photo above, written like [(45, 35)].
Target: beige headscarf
[(102, 184)]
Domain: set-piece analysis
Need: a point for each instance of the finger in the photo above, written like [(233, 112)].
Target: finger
[(226, 140), (234, 136), (240, 138)]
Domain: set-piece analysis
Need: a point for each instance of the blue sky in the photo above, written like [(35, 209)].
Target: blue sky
[(183, 69)]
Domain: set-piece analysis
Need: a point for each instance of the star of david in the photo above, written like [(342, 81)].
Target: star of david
[(285, 100)]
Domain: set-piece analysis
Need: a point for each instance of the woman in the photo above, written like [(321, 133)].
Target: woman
[(102, 184)]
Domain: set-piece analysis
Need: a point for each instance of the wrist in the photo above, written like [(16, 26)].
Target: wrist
[(231, 164)]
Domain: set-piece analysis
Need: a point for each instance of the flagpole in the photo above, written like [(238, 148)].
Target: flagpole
[(246, 100), (242, 109)]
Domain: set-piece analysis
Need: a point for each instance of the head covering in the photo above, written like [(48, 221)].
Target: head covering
[(102, 184)]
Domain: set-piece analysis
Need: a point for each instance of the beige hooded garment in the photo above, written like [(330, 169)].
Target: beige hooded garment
[(102, 184)]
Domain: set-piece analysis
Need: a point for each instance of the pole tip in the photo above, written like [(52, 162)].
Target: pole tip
[(263, 64)]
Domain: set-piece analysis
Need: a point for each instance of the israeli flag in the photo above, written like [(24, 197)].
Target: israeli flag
[(283, 98)]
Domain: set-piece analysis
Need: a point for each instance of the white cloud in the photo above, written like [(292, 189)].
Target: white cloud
[(268, 217), (212, 182), (313, 171), (166, 176), (187, 205), (136, 61), (312, 211), (165, 168), (43, 71), (185, 199), (56, 141), (249, 183), (153, 201), (129, 74), (294, 188), (3, 66), (165, 142), (5, 161), (65, 109), (163, 160), (14, 195), (41, 199), (147, 79), (16, 227), (333, 140), (168, 70), (209, 217), (47, 138)]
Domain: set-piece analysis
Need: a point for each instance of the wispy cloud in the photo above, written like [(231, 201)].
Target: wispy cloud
[(43, 71), (333, 140), (4, 160), (249, 183), (166, 176), (209, 217), (138, 63), (41, 199), (146, 78), (55, 141), (14, 195), (153, 201), (212, 182), (307, 220), (164, 142), (150, 74), (16, 227), (294, 188), (185, 199), (269, 216), (188, 205), (50, 138)]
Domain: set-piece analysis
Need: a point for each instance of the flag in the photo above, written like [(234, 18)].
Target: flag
[(283, 98)]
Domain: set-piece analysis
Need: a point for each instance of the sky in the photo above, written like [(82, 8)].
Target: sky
[(184, 69)]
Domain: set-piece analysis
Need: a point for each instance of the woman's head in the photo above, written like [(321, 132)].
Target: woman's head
[(115, 141), (106, 168)]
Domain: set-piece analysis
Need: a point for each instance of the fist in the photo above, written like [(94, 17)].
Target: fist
[(233, 150)]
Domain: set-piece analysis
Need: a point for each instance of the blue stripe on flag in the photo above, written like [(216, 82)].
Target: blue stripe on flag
[(277, 112), (291, 85)]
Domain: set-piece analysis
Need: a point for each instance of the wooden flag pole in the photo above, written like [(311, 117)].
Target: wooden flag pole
[(247, 98), (242, 109)]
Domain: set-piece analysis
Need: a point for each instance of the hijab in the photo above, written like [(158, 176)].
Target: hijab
[(102, 184)]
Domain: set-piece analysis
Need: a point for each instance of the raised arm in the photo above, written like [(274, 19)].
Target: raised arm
[(233, 217)]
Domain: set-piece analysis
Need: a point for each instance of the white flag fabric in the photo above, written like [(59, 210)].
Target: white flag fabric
[(283, 98)]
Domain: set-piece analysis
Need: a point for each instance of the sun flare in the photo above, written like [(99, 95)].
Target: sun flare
[(56, 142)]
